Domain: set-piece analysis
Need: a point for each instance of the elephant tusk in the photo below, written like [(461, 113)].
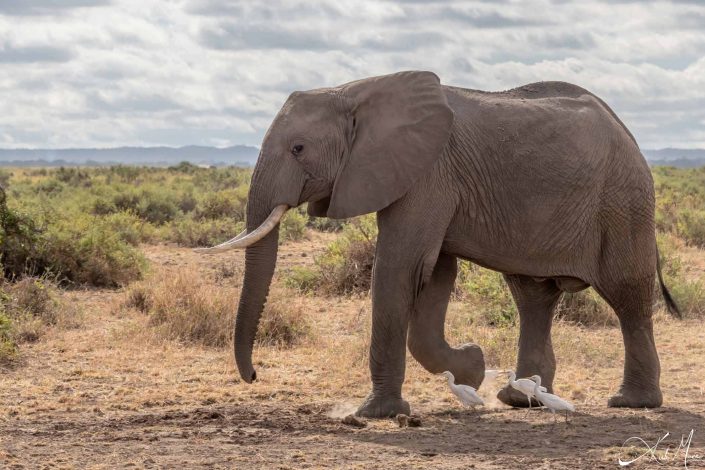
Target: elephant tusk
[(225, 244), (248, 239)]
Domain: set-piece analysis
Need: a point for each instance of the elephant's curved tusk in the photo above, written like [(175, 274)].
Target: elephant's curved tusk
[(249, 238), (225, 244)]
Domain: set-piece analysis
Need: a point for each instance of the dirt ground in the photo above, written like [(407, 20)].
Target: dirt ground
[(110, 394)]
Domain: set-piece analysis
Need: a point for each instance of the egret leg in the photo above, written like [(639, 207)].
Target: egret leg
[(528, 410)]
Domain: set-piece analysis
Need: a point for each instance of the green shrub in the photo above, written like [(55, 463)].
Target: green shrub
[(5, 177), (303, 279), (8, 347), (128, 227), (90, 252), (688, 294), (157, 207), (324, 224), (192, 232), (229, 203), (293, 226), (50, 187), (18, 239), (487, 292), (345, 267), (102, 206), (691, 226)]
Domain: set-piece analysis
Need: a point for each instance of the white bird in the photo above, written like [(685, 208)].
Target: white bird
[(525, 386), (466, 394), (551, 401)]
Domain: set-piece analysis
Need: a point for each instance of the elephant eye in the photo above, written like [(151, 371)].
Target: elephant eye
[(296, 150)]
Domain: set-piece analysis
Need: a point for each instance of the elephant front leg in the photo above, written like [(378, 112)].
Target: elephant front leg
[(397, 276), (390, 313), (535, 302), (427, 342)]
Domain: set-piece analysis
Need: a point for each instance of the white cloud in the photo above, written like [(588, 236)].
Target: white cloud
[(149, 72)]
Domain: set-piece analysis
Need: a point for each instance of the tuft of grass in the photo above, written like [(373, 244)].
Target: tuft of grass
[(302, 279), (688, 294), (28, 308), (585, 308), (187, 308)]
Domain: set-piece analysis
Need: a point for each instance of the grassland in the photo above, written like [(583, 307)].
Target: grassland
[(116, 338)]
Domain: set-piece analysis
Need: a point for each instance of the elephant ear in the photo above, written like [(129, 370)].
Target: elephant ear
[(401, 123)]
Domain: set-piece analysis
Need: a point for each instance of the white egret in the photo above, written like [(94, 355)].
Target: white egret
[(466, 394), (551, 401), (525, 386)]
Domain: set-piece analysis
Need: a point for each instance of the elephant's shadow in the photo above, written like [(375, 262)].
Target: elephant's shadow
[(512, 432)]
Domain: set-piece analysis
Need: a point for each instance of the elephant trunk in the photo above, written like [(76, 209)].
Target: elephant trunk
[(260, 260)]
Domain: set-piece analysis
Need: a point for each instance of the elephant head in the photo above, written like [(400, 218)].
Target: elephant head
[(347, 151)]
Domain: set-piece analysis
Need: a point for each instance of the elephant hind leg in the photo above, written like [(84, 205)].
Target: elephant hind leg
[(535, 301), (632, 301), (426, 338)]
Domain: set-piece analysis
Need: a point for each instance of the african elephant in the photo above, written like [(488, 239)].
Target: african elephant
[(542, 183)]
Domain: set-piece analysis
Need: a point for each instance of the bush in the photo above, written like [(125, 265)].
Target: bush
[(27, 308), (185, 308), (89, 252), (586, 308), (688, 294), (293, 226), (157, 207), (488, 293), (192, 232), (303, 279), (228, 203), (324, 224), (345, 267), (18, 238), (691, 226), (8, 347), (5, 177)]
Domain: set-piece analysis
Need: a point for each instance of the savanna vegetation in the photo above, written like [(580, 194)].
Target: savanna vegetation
[(112, 330), (71, 228)]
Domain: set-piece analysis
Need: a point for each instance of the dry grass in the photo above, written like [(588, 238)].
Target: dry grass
[(28, 309), (191, 308)]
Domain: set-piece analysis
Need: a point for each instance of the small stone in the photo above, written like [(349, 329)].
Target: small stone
[(352, 420), (403, 420), (414, 422)]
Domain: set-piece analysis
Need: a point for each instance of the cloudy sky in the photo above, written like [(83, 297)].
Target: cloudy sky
[(105, 73)]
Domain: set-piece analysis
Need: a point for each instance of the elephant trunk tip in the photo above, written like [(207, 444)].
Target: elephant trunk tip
[(249, 377)]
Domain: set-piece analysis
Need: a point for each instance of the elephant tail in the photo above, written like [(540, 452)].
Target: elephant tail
[(671, 305)]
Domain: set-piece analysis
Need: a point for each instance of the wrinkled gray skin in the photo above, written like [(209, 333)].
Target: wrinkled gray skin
[(542, 183)]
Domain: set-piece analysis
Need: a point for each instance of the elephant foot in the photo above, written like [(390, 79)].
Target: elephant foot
[(467, 363), (512, 397), (383, 407), (636, 399)]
